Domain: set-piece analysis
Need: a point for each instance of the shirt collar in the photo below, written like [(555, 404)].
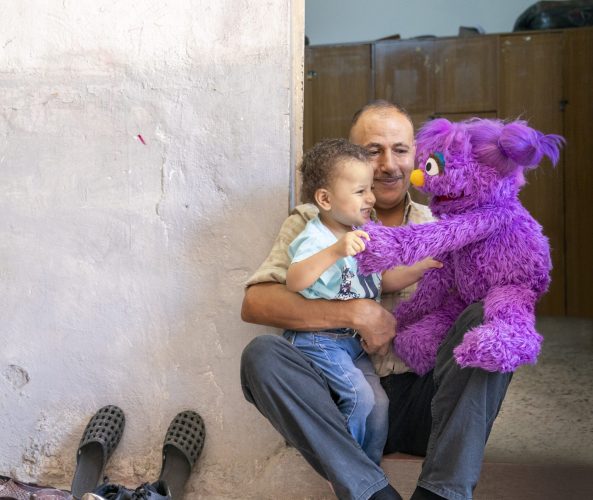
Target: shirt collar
[(407, 206)]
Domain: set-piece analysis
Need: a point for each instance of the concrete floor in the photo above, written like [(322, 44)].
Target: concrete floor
[(547, 416), (541, 446)]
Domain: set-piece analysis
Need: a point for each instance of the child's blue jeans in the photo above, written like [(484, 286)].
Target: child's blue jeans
[(353, 382)]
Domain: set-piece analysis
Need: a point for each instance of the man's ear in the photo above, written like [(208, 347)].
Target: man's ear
[(323, 199)]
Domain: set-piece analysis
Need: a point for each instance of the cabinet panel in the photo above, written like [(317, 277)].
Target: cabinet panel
[(403, 74), (579, 171), (337, 84), (419, 119), (530, 86), (465, 74)]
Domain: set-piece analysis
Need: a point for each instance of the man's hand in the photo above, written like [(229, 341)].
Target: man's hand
[(375, 324), (273, 305)]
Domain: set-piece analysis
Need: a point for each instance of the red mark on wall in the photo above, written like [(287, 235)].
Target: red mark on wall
[(141, 139)]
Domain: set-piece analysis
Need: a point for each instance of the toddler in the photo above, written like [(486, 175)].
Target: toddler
[(338, 178)]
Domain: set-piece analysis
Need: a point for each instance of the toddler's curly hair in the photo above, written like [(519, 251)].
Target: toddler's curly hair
[(318, 167)]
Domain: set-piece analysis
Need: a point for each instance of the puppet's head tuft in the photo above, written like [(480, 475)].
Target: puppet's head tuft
[(478, 161)]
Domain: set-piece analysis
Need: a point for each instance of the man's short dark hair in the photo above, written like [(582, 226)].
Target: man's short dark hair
[(379, 105), (318, 167)]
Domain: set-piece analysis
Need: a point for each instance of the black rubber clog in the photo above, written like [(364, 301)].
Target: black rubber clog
[(182, 447), (99, 439)]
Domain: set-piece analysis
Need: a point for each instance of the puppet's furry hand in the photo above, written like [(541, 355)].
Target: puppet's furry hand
[(382, 250), (497, 347), (417, 347)]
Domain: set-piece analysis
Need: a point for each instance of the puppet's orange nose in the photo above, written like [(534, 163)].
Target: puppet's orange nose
[(417, 178)]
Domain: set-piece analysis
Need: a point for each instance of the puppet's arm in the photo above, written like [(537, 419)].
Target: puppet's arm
[(394, 246)]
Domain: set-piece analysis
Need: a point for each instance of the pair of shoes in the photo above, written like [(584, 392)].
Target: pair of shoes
[(182, 447)]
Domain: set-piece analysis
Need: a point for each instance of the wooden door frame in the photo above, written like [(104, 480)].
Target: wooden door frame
[(297, 51)]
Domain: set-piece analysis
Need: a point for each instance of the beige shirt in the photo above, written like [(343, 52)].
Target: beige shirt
[(276, 264)]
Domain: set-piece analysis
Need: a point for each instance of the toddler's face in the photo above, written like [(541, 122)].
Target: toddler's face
[(351, 195)]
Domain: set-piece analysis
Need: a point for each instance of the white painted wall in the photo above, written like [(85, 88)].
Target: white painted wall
[(122, 263), (340, 21)]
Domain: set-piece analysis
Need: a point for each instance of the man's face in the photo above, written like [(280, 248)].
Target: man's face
[(389, 137)]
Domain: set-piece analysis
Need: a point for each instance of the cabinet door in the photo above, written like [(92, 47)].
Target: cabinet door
[(579, 171), (337, 84), (403, 75), (530, 87), (465, 74)]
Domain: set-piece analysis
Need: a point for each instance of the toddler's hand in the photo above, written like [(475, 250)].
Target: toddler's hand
[(351, 243), (427, 264)]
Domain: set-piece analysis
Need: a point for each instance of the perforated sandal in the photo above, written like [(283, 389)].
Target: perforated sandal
[(182, 447), (99, 439)]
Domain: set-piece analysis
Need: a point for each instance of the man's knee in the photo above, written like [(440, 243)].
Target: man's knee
[(255, 361), (472, 316), (260, 353)]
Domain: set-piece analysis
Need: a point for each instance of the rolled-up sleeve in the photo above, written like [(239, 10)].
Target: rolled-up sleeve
[(273, 269)]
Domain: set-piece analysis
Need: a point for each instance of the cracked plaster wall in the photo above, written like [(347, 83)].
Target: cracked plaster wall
[(144, 153)]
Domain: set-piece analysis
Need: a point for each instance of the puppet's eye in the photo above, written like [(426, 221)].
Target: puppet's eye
[(435, 164)]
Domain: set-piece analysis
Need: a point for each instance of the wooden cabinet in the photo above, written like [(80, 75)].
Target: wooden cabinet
[(530, 83), (578, 173), (337, 83), (544, 77), (451, 77), (403, 74), (465, 75)]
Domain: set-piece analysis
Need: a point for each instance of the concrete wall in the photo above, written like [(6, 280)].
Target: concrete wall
[(340, 21), (145, 149)]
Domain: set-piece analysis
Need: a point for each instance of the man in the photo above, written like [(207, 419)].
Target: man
[(445, 415)]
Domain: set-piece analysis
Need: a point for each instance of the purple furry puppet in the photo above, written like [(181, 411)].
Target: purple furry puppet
[(492, 249)]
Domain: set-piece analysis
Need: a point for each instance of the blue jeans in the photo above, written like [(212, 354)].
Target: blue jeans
[(355, 387), (445, 415)]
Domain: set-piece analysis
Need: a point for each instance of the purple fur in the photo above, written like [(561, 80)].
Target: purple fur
[(492, 249)]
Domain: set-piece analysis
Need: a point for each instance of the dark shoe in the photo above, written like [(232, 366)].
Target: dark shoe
[(147, 491), (387, 493), (100, 438), (182, 447), (424, 494), (111, 491), (152, 491)]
